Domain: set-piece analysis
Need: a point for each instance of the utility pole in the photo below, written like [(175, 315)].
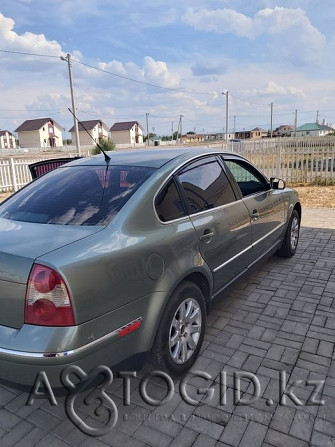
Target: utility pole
[(148, 139), (317, 117), (181, 129), (227, 114), (271, 128), (234, 130), (74, 110), (295, 122), (172, 133)]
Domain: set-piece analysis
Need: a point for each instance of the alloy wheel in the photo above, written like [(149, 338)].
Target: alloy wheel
[(185, 331), (294, 233)]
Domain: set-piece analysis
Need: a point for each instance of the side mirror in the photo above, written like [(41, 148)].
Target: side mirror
[(277, 183)]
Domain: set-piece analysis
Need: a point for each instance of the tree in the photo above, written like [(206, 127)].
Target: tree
[(151, 137), (176, 135), (105, 143)]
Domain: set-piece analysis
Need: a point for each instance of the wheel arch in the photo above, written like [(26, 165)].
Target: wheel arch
[(198, 278), (158, 355), (297, 207)]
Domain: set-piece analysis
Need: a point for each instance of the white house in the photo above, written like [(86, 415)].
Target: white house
[(96, 129), (129, 132), (312, 129), (42, 132), (7, 140)]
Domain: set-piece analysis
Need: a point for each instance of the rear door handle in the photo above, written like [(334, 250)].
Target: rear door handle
[(255, 215), (207, 236)]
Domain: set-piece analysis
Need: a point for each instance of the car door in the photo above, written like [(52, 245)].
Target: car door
[(266, 205), (221, 222)]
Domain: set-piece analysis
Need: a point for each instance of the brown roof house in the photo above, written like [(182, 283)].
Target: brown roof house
[(283, 130), (258, 132), (7, 140), (254, 134), (42, 132), (129, 132), (96, 128)]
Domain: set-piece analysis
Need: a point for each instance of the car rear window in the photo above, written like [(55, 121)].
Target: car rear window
[(78, 195)]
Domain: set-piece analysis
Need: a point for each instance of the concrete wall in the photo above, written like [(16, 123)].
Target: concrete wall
[(121, 137)]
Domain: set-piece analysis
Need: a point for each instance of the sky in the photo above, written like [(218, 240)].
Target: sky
[(167, 59)]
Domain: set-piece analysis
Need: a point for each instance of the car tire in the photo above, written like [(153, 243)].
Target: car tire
[(181, 330), (290, 242)]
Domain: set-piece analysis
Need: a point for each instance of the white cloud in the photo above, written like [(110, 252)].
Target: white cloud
[(279, 33), (272, 21), (222, 21), (274, 90), (69, 12), (152, 71), (291, 31), (37, 43), (158, 72)]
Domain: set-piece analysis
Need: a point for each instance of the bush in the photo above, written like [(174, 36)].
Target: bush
[(106, 144)]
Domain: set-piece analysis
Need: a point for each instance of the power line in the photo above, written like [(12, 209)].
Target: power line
[(34, 110), (249, 102), (30, 117), (29, 54), (163, 117), (192, 92), (143, 82), (108, 116)]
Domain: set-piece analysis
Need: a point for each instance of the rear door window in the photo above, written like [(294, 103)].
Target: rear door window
[(168, 203), (78, 195)]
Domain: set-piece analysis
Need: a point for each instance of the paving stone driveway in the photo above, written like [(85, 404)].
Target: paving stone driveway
[(280, 322)]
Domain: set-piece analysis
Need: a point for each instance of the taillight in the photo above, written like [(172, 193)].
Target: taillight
[(48, 301)]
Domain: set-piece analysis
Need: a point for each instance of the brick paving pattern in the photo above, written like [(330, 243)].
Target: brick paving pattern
[(280, 320)]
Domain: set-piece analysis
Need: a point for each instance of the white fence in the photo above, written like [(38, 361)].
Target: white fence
[(296, 160), (41, 150), (14, 174)]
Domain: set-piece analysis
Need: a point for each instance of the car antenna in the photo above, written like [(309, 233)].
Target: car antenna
[(107, 157)]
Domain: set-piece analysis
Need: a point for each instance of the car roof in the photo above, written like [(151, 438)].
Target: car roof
[(152, 158)]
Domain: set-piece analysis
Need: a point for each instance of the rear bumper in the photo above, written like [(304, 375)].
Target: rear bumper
[(26, 352), (22, 367)]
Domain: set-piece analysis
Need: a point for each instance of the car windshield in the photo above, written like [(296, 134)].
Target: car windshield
[(78, 195)]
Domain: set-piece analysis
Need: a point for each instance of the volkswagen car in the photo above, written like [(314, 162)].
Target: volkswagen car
[(116, 259)]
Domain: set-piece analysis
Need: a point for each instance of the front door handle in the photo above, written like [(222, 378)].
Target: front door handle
[(255, 215), (207, 236)]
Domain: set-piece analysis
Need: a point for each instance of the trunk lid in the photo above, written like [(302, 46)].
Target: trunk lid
[(20, 244)]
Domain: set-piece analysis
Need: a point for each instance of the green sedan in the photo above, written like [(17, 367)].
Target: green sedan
[(115, 260)]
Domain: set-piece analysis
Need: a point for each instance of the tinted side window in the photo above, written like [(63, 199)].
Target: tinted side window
[(246, 177), (205, 185), (168, 204)]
